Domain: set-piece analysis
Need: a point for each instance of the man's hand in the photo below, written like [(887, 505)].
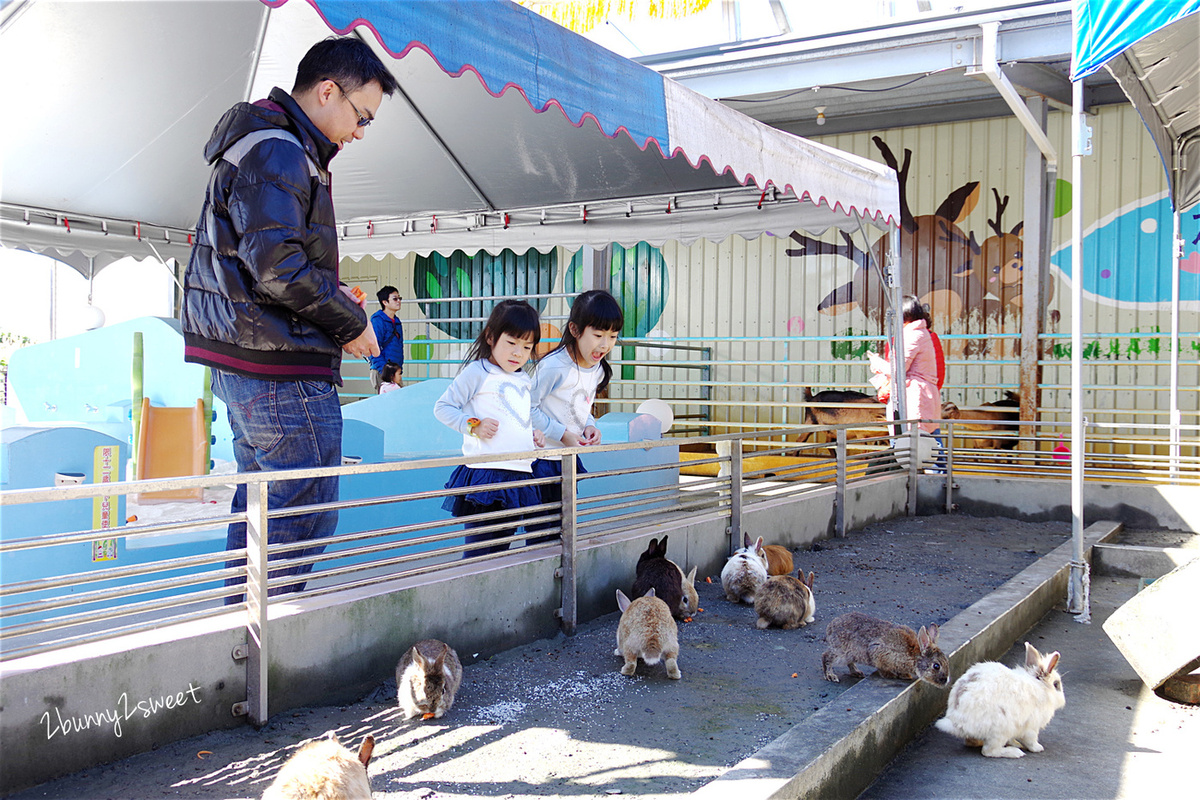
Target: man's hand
[(365, 345), (361, 302)]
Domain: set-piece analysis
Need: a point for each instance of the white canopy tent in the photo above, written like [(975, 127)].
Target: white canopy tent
[(508, 132)]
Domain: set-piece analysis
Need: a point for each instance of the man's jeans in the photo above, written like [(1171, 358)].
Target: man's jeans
[(283, 425)]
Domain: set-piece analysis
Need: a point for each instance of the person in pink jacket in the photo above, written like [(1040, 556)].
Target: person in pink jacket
[(921, 368)]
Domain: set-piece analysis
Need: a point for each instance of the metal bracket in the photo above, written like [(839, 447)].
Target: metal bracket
[(240, 652), (558, 573), (558, 613), (241, 709)]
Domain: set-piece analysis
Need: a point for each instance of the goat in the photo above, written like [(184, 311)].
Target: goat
[(996, 416), (854, 408)]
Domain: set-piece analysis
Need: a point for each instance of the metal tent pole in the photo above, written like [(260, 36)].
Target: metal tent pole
[(1077, 596)]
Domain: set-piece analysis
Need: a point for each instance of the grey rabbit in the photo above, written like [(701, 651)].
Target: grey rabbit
[(895, 651), (427, 678), (655, 571)]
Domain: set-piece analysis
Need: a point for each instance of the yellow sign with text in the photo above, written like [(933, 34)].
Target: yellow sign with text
[(105, 465)]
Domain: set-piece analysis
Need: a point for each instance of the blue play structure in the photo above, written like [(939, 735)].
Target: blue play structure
[(75, 396)]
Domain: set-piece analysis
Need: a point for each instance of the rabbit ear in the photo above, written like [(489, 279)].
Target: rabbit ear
[(650, 593), (923, 638), (364, 752), (622, 601), (662, 547), (811, 578), (417, 658), (933, 633), (691, 577), (1033, 659), (650, 548), (1050, 663), (745, 540)]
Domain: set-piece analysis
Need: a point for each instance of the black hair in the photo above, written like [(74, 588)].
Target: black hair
[(913, 310), (516, 318), (388, 373), (346, 59), (386, 292), (593, 309)]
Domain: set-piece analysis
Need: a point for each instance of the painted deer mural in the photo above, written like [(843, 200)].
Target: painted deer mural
[(1001, 266), (937, 258)]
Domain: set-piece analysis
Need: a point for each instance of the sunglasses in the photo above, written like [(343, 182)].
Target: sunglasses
[(363, 119)]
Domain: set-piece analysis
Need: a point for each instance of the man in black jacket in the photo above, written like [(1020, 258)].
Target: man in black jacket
[(262, 303)]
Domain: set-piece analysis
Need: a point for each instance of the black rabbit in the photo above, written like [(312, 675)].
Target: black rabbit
[(655, 572)]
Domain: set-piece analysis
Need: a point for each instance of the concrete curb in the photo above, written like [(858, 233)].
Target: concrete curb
[(838, 751)]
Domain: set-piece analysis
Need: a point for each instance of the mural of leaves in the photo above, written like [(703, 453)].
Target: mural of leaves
[(439, 277), (637, 278)]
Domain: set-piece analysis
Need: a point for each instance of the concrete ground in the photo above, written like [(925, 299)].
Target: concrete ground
[(555, 719), (1113, 739)]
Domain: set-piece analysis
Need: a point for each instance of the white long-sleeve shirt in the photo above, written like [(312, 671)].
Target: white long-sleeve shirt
[(484, 390), (565, 391)]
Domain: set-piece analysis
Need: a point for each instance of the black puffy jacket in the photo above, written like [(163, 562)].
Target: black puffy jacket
[(261, 294)]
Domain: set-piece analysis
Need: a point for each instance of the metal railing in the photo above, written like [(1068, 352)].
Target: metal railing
[(50, 612)]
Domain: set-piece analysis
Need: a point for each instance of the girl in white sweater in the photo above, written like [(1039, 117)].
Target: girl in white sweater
[(489, 404), (566, 382)]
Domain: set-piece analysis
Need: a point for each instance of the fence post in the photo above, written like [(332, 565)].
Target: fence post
[(840, 495), (948, 454), (735, 495), (914, 466), (570, 598), (256, 602)]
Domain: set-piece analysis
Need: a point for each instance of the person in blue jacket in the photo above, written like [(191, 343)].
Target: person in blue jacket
[(390, 334)]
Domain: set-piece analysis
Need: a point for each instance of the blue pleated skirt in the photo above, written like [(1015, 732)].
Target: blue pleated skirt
[(462, 505)]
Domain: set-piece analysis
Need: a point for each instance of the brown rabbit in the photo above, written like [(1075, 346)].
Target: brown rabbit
[(786, 602), (691, 598), (648, 631), (656, 571), (779, 560), (324, 769), (427, 678), (893, 650)]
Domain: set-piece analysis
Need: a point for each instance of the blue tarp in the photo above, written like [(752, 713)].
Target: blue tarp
[(1105, 28), (552, 67)]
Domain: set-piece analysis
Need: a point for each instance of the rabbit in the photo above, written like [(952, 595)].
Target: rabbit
[(893, 650), (1003, 709), (324, 770), (655, 571), (427, 678), (786, 602), (647, 630), (744, 572), (779, 560), (691, 599)]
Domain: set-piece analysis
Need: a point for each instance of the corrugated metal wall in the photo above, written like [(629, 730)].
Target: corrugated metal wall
[(755, 304)]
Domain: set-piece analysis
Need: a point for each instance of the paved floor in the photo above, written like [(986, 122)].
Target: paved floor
[(1113, 739)]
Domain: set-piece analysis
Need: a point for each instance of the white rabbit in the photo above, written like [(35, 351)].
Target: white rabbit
[(1004, 709), (744, 572)]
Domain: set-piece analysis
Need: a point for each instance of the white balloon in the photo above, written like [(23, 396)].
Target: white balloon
[(660, 410), (92, 318)]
